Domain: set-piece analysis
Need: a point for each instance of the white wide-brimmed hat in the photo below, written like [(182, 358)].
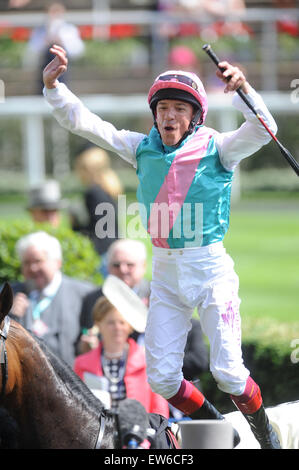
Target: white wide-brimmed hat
[(126, 301)]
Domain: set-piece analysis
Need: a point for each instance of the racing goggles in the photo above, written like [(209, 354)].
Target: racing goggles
[(179, 78)]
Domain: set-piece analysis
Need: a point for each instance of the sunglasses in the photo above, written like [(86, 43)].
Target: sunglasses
[(118, 265), (179, 78)]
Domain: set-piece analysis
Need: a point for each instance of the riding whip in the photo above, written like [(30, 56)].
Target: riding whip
[(287, 155)]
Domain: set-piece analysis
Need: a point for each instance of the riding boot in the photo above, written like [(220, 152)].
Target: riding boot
[(193, 403), (262, 429), (250, 404), (208, 411)]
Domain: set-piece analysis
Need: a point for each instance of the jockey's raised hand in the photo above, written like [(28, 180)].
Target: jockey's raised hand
[(56, 67), (233, 77)]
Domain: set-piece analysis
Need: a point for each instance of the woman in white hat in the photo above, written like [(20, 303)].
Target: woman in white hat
[(119, 359)]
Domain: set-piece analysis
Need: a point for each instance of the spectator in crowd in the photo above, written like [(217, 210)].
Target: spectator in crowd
[(18, 3), (182, 58), (48, 302), (222, 8), (225, 18), (213, 7), (45, 203), (102, 188), (127, 261), (119, 359), (58, 30)]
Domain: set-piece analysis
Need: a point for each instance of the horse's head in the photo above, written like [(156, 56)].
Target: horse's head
[(6, 300)]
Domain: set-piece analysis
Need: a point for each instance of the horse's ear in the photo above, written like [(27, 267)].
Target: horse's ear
[(6, 300)]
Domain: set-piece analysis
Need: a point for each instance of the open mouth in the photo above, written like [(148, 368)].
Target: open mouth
[(169, 128)]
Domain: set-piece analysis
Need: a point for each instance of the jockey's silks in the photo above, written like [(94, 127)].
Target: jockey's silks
[(188, 399), (251, 400), (184, 192)]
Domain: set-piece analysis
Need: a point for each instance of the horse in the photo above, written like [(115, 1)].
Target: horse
[(43, 403)]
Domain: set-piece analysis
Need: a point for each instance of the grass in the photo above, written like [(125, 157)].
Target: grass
[(265, 247)]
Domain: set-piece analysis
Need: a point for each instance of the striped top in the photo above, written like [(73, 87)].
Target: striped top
[(184, 192)]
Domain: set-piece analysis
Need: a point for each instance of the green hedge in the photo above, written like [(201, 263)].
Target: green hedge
[(79, 257)]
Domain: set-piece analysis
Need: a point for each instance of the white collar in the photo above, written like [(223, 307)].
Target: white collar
[(51, 289)]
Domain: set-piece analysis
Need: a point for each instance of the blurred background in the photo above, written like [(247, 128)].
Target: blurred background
[(125, 44), (116, 49)]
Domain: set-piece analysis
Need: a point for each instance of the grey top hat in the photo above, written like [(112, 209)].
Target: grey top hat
[(46, 196)]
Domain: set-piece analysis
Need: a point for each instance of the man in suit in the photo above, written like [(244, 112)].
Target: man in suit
[(48, 302), (127, 261)]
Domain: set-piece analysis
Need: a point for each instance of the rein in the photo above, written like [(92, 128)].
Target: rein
[(101, 431), (3, 355)]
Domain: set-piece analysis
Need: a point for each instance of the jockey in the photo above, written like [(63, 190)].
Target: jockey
[(185, 173), (188, 88)]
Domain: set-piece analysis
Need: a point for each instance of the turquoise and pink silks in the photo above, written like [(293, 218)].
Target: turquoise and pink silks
[(184, 192)]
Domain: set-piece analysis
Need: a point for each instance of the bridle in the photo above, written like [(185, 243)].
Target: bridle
[(3, 355)]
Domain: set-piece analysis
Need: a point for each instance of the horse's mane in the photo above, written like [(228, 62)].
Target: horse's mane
[(66, 374), (71, 380)]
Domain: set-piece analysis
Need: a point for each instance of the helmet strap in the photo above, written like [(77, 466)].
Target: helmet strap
[(196, 118), (192, 126)]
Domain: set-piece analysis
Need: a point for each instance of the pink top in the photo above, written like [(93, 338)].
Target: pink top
[(135, 378)]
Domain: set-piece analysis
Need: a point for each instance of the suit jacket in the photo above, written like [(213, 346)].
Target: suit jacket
[(135, 377), (62, 316)]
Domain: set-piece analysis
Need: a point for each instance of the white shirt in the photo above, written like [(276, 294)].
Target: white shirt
[(232, 146)]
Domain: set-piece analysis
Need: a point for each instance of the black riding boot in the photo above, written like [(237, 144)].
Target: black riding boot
[(208, 411), (262, 429)]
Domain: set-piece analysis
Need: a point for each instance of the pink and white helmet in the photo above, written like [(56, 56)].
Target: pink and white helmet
[(169, 84)]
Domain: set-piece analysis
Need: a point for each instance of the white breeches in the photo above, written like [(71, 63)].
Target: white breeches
[(182, 280)]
